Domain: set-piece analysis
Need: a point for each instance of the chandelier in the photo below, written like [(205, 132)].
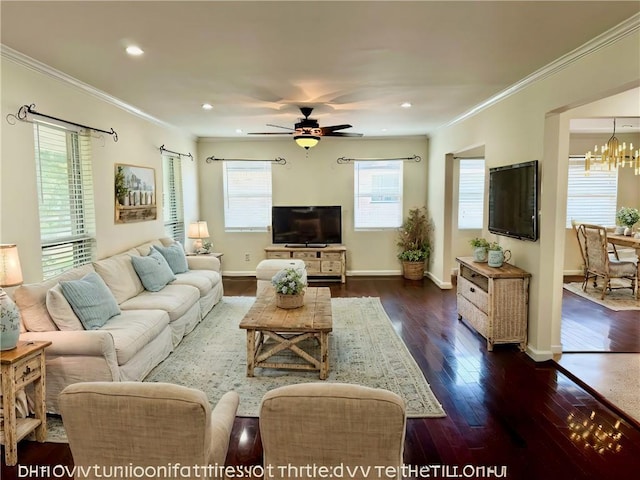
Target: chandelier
[(592, 434), (612, 155)]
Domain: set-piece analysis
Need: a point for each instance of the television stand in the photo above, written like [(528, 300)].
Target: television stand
[(322, 261)]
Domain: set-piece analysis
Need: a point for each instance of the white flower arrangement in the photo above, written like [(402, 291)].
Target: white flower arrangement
[(288, 281), (628, 216)]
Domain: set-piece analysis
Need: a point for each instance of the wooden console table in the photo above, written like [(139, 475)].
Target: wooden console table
[(325, 262), (22, 366), (494, 301)]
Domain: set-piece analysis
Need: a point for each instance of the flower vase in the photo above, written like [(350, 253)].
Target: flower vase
[(289, 301), (480, 254), (627, 231)]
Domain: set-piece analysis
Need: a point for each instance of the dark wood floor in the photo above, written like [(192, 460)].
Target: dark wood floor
[(502, 408)]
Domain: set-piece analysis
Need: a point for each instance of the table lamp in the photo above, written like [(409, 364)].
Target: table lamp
[(10, 276), (198, 231)]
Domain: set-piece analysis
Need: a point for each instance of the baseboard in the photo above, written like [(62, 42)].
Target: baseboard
[(238, 273), (374, 273), (539, 355), (556, 349), (440, 283), (573, 273)]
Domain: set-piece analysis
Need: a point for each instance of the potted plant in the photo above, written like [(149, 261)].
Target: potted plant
[(627, 217), (414, 243), (289, 288), (480, 247), (496, 256), (121, 190)]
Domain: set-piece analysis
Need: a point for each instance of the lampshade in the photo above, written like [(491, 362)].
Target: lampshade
[(307, 141), (198, 230), (10, 271)]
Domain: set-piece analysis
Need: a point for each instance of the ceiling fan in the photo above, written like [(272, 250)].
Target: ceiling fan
[(307, 132)]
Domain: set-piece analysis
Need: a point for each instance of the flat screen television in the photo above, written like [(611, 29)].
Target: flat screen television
[(306, 225), (513, 200)]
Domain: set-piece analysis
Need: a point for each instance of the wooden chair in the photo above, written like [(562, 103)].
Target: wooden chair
[(599, 263), (329, 424), (145, 424), (611, 249)]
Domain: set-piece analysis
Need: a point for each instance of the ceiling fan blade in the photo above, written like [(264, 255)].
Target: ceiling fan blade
[(342, 134), (279, 126), (333, 128), (270, 133)]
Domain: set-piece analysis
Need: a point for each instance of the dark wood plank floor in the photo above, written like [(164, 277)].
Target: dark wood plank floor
[(502, 408)]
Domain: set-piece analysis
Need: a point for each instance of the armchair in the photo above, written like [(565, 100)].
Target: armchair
[(139, 424), (328, 424)]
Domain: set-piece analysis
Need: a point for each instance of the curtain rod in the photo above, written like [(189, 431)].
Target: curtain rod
[(30, 110), (278, 160), (162, 150), (344, 160)]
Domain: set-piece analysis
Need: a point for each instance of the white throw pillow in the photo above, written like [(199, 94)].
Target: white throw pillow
[(60, 310)]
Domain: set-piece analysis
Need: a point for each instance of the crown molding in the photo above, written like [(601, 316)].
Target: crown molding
[(611, 36), (37, 66)]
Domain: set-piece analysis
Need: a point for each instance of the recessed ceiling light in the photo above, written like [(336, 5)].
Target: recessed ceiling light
[(405, 105), (134, 50), (207, 106), (238, 130)]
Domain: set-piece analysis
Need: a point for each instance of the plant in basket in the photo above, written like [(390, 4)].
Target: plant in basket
[(289, 288)]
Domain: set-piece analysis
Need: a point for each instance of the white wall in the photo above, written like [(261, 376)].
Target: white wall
[(524, 127), (313, 179), (138, 144)]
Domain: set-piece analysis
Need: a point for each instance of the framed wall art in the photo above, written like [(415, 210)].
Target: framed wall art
[(134, 193)]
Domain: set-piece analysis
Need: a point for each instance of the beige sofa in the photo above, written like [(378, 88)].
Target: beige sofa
[(129, 345)]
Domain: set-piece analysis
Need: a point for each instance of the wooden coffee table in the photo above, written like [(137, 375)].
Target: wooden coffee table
[(287, 328)]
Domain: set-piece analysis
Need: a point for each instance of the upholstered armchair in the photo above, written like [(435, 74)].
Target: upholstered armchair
[(329, 424), (139, 424), (599, 263)]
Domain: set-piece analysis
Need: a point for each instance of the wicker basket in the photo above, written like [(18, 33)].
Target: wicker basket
[(289, 301), (413, 270)]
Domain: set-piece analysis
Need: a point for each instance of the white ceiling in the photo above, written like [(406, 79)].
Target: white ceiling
[(256, 62)]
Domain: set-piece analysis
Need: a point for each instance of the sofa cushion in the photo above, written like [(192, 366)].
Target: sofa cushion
[(31, 299), (145, 248), (153, 270), (60, 310), (175, 257), (119, 275), (173, 299), (91, 300), (203, 280), (133, 329)]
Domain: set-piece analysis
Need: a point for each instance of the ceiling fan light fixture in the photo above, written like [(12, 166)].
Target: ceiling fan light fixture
[(306, 141)]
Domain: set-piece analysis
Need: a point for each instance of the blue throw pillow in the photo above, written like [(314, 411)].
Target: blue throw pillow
[(175, 257), (91, 300), (153, 270)]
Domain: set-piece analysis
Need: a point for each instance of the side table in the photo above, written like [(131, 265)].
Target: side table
[(22, 366)]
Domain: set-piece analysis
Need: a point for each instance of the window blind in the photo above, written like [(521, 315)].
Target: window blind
[(471, 193), (172, 198), (377, 194), (591, 198), (247, 196), (65, 199)]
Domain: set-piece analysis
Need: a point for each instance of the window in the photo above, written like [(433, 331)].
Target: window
[(172, 203), (471, 193), (65, 199), (591, 198), (247, 196), (377, 194)]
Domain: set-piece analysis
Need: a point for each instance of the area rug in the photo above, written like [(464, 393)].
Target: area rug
[(364, 349), (616, 300)]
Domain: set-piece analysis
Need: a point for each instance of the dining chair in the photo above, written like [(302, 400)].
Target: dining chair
[(611, 249), (600, 264)]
